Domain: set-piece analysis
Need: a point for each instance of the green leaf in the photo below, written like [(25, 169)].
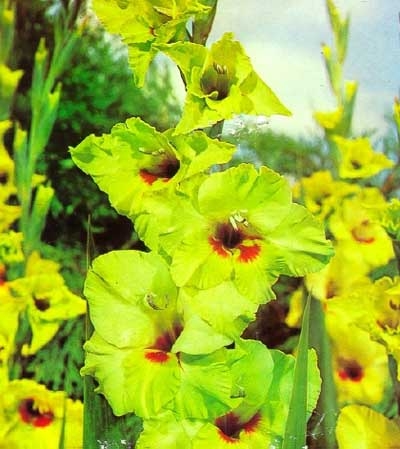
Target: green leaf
[(296, 425), (275, 410)]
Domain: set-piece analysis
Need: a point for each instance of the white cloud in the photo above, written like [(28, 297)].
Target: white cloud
[(283, 40)]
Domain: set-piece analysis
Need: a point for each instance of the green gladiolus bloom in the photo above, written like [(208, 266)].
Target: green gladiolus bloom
[(220, 82), (144, 352), (265, 379), (249, 232), (138, 167), (143, 24)]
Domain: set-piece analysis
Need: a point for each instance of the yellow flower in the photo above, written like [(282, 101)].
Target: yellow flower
[(358, 158), (32, 417), (6, 166), (360, 365), (358, 232), (375, 309), (48, 300), (345, 272), (321, 194), (360, 427), (10, 248), (296, 306), (329, 120)]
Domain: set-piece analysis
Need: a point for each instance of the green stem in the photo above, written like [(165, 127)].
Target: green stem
[(395, 380), (327, 407), (396, 249), (202, 27)]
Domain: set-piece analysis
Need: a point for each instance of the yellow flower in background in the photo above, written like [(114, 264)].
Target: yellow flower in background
[(329, 120), (375, 309), (6, 166), (384, 324), (358, 159), (296, 307), (360, 365), (32, 417), (357, 231), (4, 356), (321, 193), (10, 309), (345, 272), (359, 427), (8, 213), (48, 300), (10, 249)]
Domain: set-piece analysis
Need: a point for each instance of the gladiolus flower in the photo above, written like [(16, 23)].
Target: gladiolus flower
[(32, 416), (248, 231), (363, 428)]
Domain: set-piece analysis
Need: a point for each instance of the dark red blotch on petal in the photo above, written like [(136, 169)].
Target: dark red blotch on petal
[(163, 345), (31, 415), (3, 275), (351, 370), (251, 425), (165, 170), (227, 238), (229, 426)]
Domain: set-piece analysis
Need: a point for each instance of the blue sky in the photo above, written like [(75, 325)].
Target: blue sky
[(283, 39)]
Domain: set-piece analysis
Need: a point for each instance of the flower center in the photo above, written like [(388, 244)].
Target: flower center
[(41, 304), (216, 79), (230, 427), (3, 178), (235, 236), (165, 170), (159, 352), (31, 415), (355, 164), (350, 370), (228, 236)]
